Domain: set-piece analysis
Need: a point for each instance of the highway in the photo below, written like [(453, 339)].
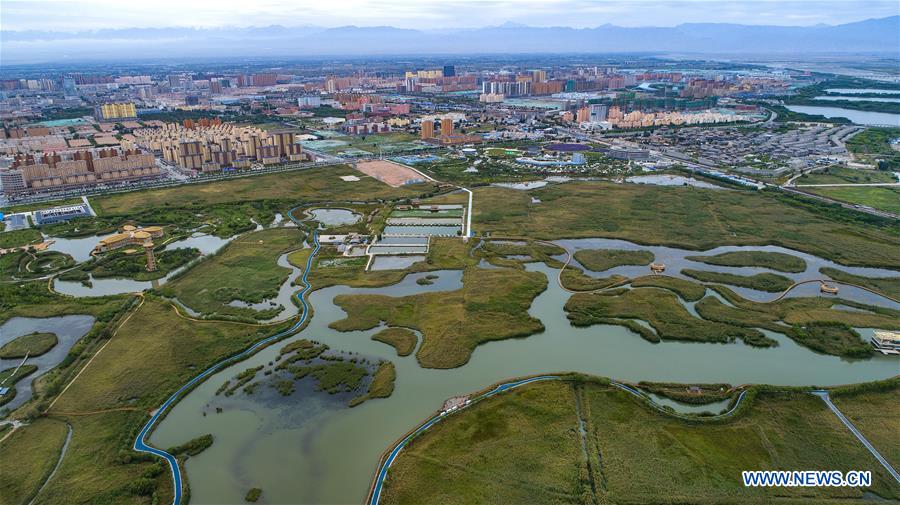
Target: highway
[(887, 466), (141, 444)]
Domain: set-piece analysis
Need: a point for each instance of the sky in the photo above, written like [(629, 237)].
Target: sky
[(78, 15)]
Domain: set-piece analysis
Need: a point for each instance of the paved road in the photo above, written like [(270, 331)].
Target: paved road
[(141, 445), (887, 466)]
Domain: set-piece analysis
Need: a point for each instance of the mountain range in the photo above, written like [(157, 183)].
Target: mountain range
[(869, 36)]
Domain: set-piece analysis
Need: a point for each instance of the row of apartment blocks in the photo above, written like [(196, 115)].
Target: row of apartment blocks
[(78, 168), (210, 146), (447, 135)]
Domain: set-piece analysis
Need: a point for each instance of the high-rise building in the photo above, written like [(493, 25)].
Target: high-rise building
[(446, 126), (427, 129), (449, 71), (583, 115), (109, 111)]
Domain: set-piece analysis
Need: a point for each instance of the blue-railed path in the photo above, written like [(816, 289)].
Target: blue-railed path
[(141, 445)]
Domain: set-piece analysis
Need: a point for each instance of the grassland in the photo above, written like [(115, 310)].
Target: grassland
[(311, 185), (524, 447), (401, 339), (33, 345), (600, 260), (878, 197), (875, 414), (23, 265), (20, 476), (687, 218), (772, 260), (16, 238), (246, 270), (574, 279), (492, 305), (662, 310), (689, 291), (804, 318), (152, 354), (772, 283), (844, 175), (521, 449), (887, 285)]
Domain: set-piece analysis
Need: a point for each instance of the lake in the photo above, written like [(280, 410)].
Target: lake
[(856, 116), (311, 448)]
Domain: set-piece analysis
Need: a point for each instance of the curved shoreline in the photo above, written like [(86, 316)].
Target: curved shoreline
[(570, 256), (140, 443), (390, 456)]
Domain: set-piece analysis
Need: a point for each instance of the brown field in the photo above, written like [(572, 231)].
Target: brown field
[(388, 172)]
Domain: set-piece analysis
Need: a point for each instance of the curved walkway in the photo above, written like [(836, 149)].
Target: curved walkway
[(141, 445), (569, 257), (832, 281), (381, 475)]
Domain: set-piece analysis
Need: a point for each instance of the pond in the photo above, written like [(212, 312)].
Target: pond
[(851, 91), (205, 243), (335, 217), (857, 98), (68, 330), (307, 449), (856, 116), (671, 180)]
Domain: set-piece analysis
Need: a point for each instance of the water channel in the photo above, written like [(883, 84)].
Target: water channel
[(68, 330), (311, 448), (856, 116)]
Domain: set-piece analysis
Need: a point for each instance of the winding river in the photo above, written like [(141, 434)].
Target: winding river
[(310, 448)]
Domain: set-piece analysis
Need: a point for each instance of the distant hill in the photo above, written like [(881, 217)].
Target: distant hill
[(873, 35)]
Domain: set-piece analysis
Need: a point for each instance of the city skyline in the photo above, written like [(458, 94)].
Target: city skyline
[(102, 14)]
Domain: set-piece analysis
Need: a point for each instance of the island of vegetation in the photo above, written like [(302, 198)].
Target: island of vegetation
[(402, 339), (772, 283), (600, 260), (31, 345), (492, 305), (765, 259)]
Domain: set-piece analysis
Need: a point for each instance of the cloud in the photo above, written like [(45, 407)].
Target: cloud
[(80, 15)]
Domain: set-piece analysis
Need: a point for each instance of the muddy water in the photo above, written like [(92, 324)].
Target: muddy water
[(310, 448)]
